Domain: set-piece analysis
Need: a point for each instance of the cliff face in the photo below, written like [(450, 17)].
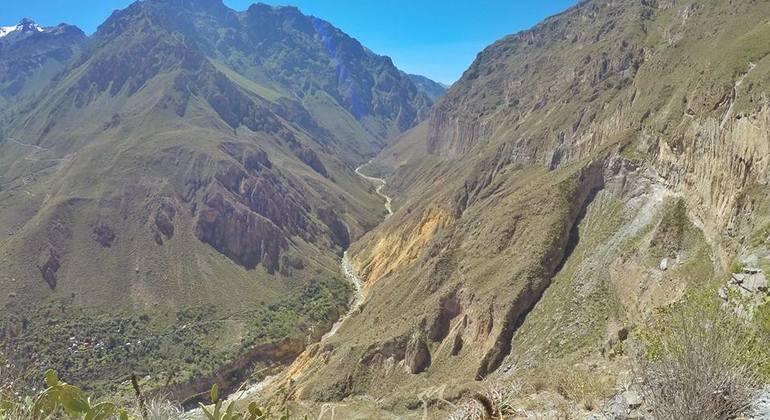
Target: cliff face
[(643, 74), (530, 224)]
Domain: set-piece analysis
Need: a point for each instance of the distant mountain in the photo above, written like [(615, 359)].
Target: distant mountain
[(434, 90), (180, 192), (31, 55)]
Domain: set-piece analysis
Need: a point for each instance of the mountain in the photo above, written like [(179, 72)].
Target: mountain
[(580, 176), (434, 90), (177, 199), (30, 56)]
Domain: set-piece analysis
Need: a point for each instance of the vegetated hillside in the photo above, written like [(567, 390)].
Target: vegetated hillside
[(179, 198), (30, 56), (579, 175)]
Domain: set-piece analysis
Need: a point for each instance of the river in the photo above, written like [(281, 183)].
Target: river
[(358, 296)]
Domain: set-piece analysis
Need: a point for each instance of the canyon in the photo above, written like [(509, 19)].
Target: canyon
[(191, 176)]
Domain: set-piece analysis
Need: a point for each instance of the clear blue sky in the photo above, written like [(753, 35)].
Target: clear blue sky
[(436, 38)]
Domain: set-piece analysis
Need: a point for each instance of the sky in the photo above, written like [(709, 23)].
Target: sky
[(436, 38)]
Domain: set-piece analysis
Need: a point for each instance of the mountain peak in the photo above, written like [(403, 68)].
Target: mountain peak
[(27, 26)]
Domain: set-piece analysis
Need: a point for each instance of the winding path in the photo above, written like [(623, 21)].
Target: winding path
[(350, 274)]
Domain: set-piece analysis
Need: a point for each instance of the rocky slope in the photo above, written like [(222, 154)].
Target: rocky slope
[(182, 191), (579, 175)]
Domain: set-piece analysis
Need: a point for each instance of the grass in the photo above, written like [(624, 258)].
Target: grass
[(266, 92)]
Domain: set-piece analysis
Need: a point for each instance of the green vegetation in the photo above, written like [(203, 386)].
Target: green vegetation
[(736, 267), (192, 343), (60, 400), (254, 411), (248, 84)]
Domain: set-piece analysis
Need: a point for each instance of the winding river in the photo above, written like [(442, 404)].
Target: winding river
[(350, 274)]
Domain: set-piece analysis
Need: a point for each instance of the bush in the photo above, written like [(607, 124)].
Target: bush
[(700, 364)]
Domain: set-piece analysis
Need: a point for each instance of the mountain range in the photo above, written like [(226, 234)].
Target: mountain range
[(180, 187), (185, 172)]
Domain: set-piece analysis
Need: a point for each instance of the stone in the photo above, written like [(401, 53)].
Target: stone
[(633, 399), (626, 405), (722, 293), (49, 269), (738, 278), (616, 408), (664, 264), (760, 409), (756, 283), (750, 260)]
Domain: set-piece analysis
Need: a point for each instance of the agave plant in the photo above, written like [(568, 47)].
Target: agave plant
[(254, 411)]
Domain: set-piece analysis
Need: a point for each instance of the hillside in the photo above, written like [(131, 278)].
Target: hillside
[(579, 177), (176, 200)]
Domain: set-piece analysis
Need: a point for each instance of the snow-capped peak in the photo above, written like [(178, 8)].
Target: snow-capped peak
[(25, 26)]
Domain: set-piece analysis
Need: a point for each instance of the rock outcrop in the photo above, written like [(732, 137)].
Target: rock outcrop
[(417, 354)]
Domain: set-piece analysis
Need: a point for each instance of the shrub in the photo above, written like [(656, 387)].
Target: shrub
[(701, 364)]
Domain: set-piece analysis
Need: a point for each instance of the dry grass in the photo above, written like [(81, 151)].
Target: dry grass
[(495, 402), (589, 389)]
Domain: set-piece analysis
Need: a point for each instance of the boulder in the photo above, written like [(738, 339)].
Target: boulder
[(633, 399), (756, 283), (750, 260), (626, 405), (664, 264)]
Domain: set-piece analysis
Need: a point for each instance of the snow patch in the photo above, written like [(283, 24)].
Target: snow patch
[(25, 25), (5, 30)]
